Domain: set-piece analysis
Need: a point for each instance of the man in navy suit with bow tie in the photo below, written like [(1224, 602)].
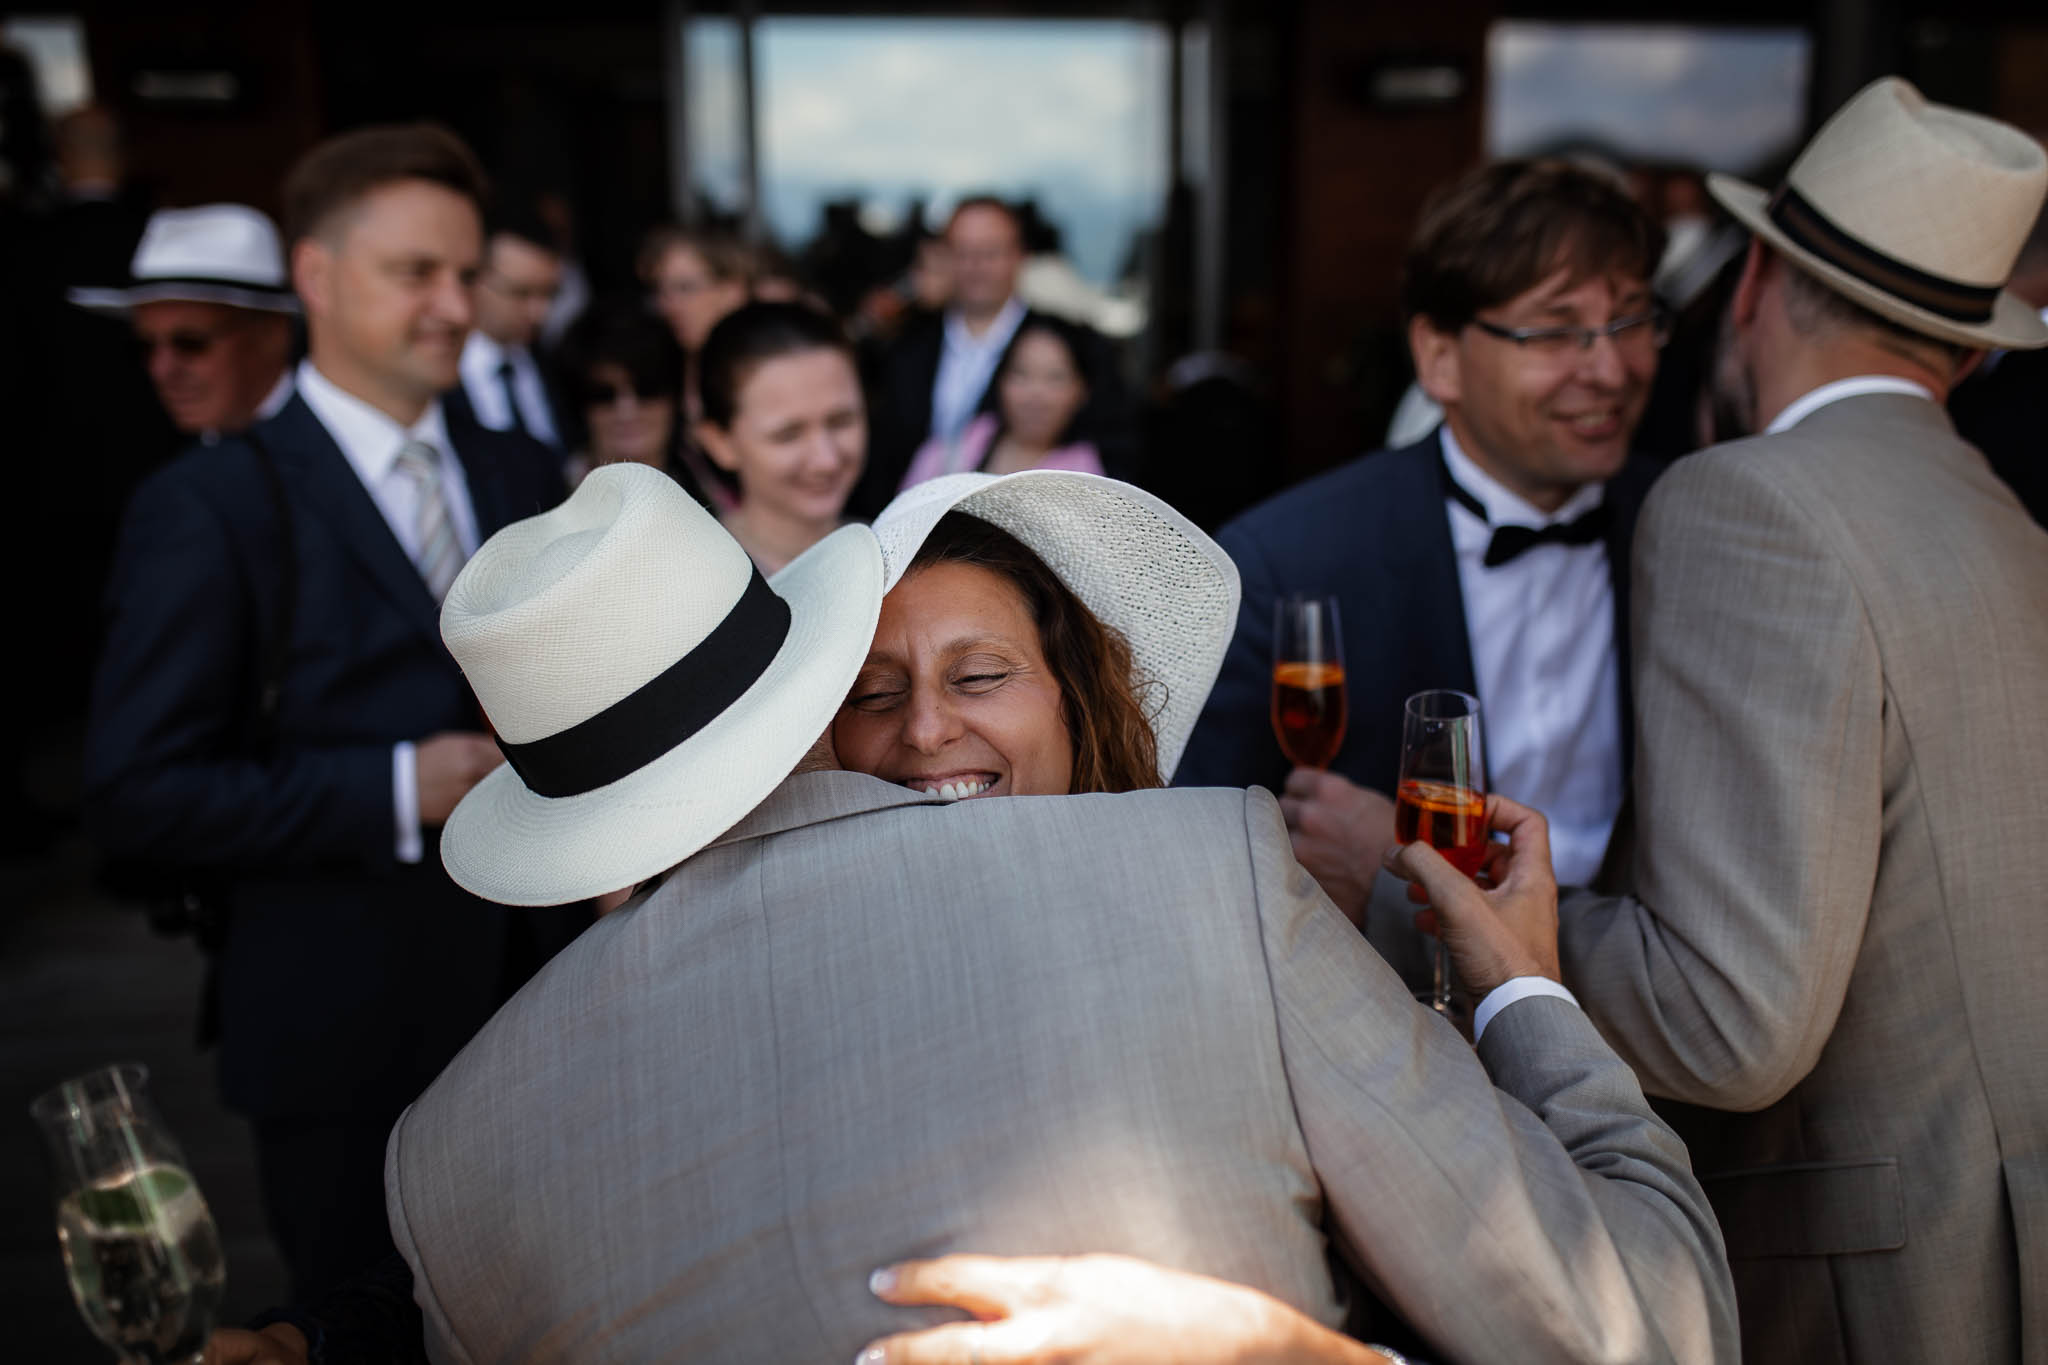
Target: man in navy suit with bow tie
[(274, 711), (1490, 557)]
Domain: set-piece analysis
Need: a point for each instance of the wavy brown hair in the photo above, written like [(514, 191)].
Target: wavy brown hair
[(1103, 704)]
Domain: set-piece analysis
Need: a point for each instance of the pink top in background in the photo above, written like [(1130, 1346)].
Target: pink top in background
[(964, 456)]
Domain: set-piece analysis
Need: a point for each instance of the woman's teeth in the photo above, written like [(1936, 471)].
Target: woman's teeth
[(951, 791)]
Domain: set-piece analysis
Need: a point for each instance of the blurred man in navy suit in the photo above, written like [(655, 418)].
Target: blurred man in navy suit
[(274, 714)]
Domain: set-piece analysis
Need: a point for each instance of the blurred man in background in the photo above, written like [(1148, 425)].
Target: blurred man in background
[(275, 720), (937, 376), (212, 310), (502, 382)]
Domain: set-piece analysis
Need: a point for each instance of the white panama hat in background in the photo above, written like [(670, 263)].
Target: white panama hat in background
[(649, 688), (1140, 566), (216, 253), (1912, 209)]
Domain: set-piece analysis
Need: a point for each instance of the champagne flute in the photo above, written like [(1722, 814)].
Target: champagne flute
[(139, 1244), (1441, 799), (1308, 680)]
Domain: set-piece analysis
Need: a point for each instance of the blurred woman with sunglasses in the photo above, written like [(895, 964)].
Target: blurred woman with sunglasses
[(625, 369)]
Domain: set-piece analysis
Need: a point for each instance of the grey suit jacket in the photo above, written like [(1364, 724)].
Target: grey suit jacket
[(1837, 931), (862, 1027)]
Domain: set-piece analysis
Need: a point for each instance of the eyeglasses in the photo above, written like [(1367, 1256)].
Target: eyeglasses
[(519, 293), (1639, 332), (186, 345)]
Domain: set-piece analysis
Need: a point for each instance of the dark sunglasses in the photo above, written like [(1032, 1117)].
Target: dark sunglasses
[(184, 345), (604, 395)]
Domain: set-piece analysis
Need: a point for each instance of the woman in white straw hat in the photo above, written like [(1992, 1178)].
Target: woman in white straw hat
[(1045, 632)]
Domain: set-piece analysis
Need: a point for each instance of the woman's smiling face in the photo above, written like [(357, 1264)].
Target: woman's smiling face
[(956, 697)]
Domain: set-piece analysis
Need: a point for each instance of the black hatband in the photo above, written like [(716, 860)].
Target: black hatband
[(1811, 230), (665, 710)]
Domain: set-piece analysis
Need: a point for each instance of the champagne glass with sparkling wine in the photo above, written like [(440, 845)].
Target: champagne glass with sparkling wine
[(1308, 680), (139, 1244), (1441, 799)]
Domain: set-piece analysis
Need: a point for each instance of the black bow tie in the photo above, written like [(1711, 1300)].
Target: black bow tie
[(1510, 541)]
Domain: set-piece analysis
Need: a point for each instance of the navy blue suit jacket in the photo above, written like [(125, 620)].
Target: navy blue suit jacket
[(1373, 534), (347, 979)]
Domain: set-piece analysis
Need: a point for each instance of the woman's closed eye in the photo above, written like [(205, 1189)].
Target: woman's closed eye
[(876, 693), (981, 681)]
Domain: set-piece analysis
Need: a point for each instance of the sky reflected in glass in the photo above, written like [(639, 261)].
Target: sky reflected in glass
[(1722, 99), (891, 111)]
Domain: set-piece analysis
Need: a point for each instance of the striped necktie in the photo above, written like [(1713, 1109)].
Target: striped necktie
[(440, 555)]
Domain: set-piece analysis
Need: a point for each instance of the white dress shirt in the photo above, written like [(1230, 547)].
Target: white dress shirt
[(1541, 629), (370, 439), (1814, 400), (966, 365), (482, 358)]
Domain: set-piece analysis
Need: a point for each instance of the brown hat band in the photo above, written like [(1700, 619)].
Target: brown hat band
[(1810, 229)]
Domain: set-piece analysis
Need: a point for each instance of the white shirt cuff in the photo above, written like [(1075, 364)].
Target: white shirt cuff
[(405, 801), (1508, 992)]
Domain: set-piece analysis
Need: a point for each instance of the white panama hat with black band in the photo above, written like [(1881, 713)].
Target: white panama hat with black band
[(1137, 564), (647, 685), (1912, 209), (217, 253)]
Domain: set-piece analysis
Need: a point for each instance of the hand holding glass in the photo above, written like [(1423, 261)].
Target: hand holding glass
[(1441, 799), (1308, 680)]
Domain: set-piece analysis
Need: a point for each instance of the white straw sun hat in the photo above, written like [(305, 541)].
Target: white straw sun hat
[(215, 253), (1140, 566), (1915, 210), (648, 687)]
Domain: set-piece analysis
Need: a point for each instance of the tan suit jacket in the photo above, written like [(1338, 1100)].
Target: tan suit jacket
[(863, 1027), (1838, 931)]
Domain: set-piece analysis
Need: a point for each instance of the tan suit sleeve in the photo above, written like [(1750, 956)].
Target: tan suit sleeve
[(1552, 1219), (1758, 792)]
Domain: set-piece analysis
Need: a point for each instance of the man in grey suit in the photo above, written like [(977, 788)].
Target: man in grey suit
[(1834, 943), (860, 1023)]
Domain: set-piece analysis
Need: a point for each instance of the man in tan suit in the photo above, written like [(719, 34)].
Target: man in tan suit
[(1835, 937), (864, 1024)]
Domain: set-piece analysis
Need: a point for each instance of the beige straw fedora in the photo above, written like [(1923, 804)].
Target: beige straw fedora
[(1140, 566), (1914, 210), (647, 685)]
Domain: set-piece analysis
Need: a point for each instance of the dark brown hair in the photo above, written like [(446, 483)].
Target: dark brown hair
[(726, 257), (342, 171), (1103, 705), (752, 335), (1504, 228)]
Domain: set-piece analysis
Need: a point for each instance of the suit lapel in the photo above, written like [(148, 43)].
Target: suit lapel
[(1430, 636), (302, 444), (488, 497), (1428, 559)]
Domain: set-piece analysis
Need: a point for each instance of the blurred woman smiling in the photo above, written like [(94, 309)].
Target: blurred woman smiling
[(1039, 417), (783, 413)]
